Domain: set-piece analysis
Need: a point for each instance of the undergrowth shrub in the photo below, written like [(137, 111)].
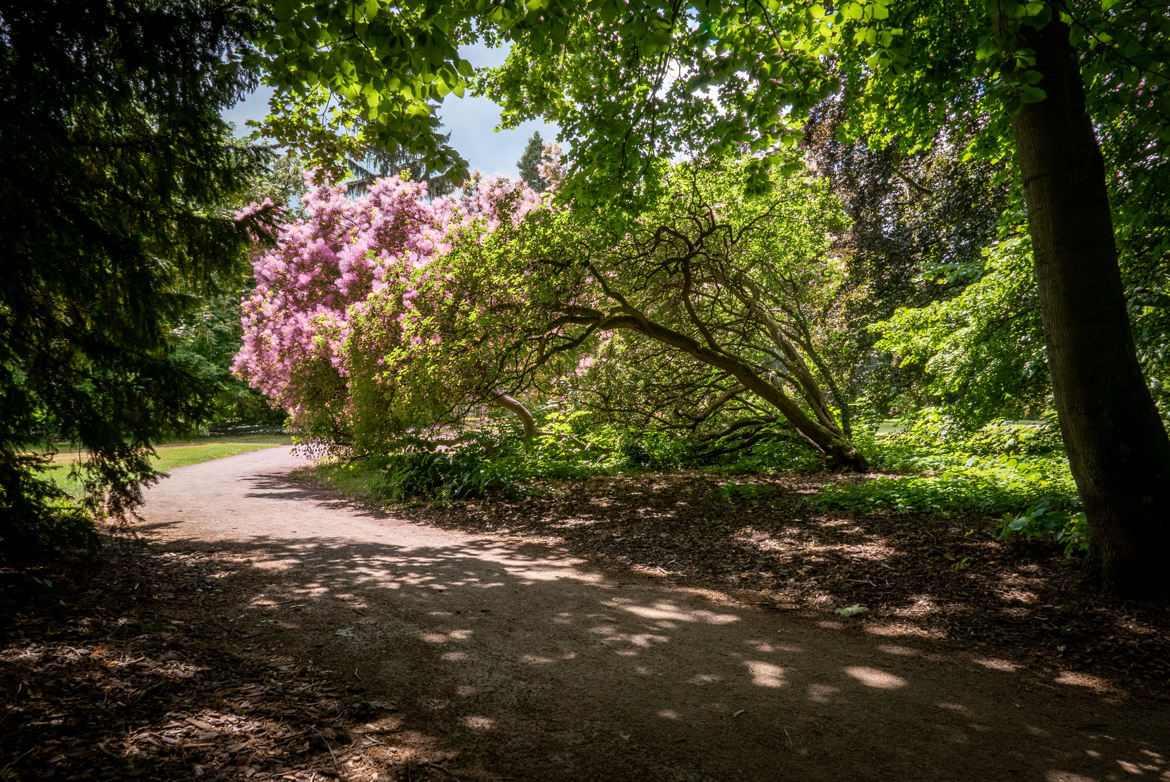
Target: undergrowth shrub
[(779, 449), (1015, 470), (992, 485), (1005, 469), (930, 433)]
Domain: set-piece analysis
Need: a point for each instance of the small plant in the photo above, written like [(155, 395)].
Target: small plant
[(1063, 522), (748, 492)]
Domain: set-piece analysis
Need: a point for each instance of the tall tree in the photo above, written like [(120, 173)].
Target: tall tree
[(529, 163), (378, 162), (118, 175), (1116, 443)]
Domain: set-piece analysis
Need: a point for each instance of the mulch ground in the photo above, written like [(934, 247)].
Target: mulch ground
[(1019, 603), (117, 667)]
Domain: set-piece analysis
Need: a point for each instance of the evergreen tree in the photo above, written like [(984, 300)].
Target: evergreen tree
[(529, 164), (114, 214), (382, 162)]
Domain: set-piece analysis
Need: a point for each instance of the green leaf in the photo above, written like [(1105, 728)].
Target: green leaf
[(1033, 95)]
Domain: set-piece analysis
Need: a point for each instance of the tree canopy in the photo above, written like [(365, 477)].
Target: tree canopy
[(529, 164)]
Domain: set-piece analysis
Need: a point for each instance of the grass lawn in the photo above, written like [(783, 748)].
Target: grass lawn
[(171, 455)]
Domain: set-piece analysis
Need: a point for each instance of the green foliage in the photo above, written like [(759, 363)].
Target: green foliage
[(982, 350), (40, 518), (741, 492), (1013, 469), (360, 75), (934, 432), (776, 448), (493, 457), (379, 162), (985, 485), (114, 211), (414, 475), (919, 225), (1057, 518), (486, 464), (708, 308), (205, 341)]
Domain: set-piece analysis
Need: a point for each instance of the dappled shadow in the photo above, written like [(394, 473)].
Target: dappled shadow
[(916, 576), (508, 659), (110, 675)]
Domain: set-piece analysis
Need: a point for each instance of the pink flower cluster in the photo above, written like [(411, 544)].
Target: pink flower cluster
[(350, 261)]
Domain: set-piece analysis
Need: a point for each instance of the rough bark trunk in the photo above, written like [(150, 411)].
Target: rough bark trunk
[(1117, 446)]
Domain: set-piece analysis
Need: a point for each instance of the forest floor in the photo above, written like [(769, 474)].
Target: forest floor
[(654, 627)]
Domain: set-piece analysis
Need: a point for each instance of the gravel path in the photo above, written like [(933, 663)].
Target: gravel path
[(506, 659)]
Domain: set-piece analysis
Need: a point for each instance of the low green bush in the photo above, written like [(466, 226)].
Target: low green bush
[(1035, 495), (38, 519), (1057, 518), (930, 433), (1007, 469)]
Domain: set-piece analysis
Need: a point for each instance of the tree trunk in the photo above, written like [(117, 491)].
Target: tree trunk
[(1117, 446)]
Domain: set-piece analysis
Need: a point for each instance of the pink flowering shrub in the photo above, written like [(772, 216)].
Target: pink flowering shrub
[(350, 297)]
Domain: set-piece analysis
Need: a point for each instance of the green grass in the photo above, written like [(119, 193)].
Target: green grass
[(172, 455)]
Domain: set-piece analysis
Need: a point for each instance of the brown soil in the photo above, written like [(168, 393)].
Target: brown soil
[(621, 628)]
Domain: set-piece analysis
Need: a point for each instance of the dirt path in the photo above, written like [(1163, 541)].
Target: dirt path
[(505, 659)]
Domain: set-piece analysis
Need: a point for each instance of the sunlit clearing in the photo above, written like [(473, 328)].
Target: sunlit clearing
[(955, 707), (442, 638), (922, 605), (904, 630), (872, 677), (996, 664), (822, 693), (1076, 679), (478, 722), (535, 659), (673, 612), (765, 674), (766, 648)]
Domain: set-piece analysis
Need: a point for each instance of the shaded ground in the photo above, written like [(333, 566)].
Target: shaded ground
[(276, 631), (916, 576)]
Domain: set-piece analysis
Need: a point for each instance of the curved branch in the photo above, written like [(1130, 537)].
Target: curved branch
[(501, 399)]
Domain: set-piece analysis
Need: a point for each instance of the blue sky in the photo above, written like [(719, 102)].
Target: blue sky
[(470, 120)]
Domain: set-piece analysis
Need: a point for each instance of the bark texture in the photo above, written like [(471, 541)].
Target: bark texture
[(1117, 446)]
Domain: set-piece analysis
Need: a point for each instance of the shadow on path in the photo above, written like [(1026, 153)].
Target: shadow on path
[(529, 664)]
